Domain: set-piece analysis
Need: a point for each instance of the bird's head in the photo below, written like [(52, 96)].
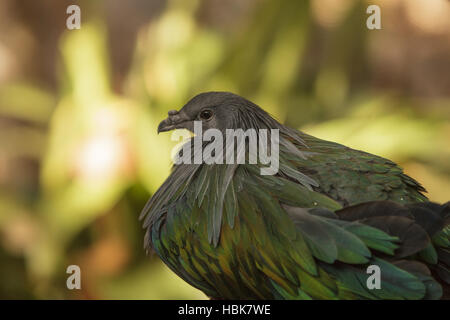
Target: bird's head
[(218, 110)]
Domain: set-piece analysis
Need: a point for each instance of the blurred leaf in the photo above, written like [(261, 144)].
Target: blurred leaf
[(25, 101), (150, 281)]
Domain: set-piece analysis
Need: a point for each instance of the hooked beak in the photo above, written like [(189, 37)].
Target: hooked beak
[(175, 120)]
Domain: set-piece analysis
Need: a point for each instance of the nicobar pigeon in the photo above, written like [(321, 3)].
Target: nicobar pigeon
[(310, 231)]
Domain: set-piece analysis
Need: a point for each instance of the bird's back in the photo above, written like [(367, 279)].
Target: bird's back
[(351, 176)]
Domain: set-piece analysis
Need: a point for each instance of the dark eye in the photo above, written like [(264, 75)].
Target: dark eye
[(206, 114)]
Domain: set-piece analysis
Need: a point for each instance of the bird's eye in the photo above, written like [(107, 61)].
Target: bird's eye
[(206, 114)]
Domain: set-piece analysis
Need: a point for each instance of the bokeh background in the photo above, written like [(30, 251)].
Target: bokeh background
[(79, 153)]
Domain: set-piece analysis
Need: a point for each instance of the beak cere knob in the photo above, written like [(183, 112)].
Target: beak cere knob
[(170, 122)]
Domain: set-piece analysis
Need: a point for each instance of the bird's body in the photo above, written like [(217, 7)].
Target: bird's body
[(308, 232)]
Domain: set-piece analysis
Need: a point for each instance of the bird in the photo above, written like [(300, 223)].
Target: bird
[(327, 225)]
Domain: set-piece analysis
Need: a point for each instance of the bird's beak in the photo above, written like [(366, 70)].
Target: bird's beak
[(175, 120)]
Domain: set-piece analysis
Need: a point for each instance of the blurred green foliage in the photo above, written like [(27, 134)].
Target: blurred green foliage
[(79, 150)]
